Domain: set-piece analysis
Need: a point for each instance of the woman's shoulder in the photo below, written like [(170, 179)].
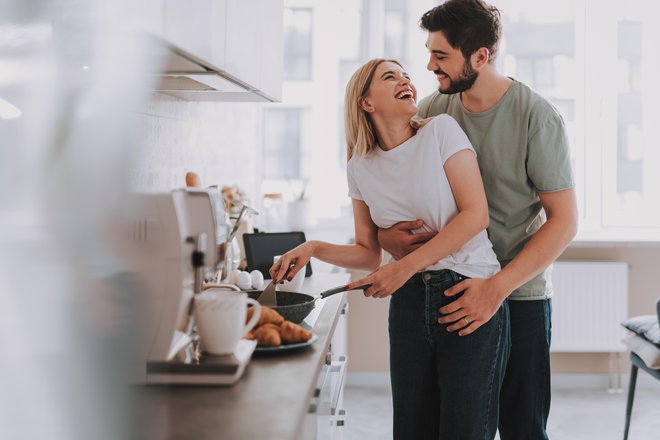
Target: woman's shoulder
[(441, 122)]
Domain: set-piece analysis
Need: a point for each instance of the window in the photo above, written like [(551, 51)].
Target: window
[(283, 140), (395, 30), (594, 61), (297, 44), (600, 75)]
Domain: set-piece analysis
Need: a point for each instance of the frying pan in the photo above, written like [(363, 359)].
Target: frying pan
[(295, 306)]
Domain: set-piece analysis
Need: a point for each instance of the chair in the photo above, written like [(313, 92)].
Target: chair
[(643, 354)]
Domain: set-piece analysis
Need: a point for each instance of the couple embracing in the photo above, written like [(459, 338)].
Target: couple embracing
[(474, 205)]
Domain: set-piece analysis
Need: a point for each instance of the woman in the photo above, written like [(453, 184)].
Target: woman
[(444, 385)]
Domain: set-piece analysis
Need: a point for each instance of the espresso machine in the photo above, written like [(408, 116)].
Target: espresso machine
[(173, 247)]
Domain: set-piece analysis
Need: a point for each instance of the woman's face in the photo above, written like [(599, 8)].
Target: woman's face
[(391, 92)]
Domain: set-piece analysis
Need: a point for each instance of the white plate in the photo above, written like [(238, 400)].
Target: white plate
[(287, 347)]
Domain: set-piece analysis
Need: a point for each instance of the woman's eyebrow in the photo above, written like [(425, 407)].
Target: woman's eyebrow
[(389, 72)]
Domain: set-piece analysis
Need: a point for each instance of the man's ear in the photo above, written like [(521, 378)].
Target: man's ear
[(366, 105), (480, 58)]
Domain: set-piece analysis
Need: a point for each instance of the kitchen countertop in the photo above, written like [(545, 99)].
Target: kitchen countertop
[(268, 402)]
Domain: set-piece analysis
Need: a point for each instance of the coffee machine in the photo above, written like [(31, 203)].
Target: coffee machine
[(173, 247)]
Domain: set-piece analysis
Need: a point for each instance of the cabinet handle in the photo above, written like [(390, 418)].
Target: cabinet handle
[(341, 418), (340, 368)]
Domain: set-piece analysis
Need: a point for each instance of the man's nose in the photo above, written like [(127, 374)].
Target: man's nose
[(431, 64)]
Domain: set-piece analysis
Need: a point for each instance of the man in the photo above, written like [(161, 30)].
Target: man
[(523, 155)]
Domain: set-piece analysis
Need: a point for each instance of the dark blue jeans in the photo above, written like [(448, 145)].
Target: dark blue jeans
[(444, 386), (525, 395)]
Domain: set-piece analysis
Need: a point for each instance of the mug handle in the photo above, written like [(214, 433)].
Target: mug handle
[(255, 316), (221, 286)]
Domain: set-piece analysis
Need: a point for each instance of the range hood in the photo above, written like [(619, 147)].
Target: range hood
[(188, 77)]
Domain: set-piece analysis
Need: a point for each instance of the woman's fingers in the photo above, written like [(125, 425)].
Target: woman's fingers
[(274, 269), (293, 270), (285, 262)]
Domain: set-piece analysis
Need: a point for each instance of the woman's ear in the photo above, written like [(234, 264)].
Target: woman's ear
[(366, 104)]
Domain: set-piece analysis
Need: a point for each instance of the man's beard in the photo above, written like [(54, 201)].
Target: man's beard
[(464, 82)]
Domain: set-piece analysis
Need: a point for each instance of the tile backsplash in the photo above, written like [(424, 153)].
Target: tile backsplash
[(221, 141)]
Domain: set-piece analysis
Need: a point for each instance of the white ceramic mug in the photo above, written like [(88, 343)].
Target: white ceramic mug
[(295, 284), (220, 316)]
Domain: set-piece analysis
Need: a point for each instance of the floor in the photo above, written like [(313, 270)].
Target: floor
[(575, 415)]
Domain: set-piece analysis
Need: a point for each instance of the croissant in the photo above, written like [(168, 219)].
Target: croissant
[(291, 333), (267, 336), (268, 316)]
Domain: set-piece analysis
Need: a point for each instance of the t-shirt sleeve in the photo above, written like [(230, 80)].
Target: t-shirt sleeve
[(450, 136), (548, 156), (353, 190)]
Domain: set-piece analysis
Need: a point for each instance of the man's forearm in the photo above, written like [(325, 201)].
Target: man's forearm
[(541, 250)]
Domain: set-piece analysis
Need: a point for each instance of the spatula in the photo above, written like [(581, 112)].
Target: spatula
[(268, 297)]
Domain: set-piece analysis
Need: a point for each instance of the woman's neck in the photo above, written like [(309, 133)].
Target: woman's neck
[(392, 132)]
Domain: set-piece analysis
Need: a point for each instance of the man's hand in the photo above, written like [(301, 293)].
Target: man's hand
[(478, 304), (399, 240)]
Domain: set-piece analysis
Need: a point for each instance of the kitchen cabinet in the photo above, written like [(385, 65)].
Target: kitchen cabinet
[(241, 40), (288, 396), (199, 29)]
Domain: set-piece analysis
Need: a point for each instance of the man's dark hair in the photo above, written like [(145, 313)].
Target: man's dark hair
[(467, 24)]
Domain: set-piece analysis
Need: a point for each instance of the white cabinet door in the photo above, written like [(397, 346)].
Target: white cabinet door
[(148, 15), (243, 38), (272, 49), (197, 27)]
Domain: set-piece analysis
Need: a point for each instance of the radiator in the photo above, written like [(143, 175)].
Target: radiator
[(590, 300)]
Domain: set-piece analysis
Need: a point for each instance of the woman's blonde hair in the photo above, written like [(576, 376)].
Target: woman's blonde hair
[(360, 131)]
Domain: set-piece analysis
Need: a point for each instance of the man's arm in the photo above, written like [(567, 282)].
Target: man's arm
[(483, 297)]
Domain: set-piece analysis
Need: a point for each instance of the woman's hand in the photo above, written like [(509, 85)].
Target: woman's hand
[(290, 263), (385, 280)]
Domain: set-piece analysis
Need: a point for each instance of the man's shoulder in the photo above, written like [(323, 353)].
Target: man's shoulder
[(433, 104), (537, 105)]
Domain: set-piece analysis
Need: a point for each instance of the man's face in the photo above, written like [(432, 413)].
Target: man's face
[(454, 73)]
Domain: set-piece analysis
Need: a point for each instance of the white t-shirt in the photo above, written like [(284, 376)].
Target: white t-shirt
[(409, 183)]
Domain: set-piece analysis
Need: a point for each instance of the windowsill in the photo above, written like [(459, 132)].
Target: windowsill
[(617, 237), (340, 231)]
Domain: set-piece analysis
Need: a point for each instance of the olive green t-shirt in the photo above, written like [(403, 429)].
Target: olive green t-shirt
[(522, 150)]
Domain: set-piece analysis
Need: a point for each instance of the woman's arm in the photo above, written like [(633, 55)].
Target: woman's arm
[(364, 254), (465, 180)]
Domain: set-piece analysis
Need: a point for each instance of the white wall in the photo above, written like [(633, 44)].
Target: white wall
[(220, 141)]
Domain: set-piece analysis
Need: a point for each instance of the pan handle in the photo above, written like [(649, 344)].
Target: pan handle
[(340, 289)]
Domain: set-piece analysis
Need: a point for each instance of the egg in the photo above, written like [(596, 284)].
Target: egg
[(257, 279), (233, 277), (243, 280)]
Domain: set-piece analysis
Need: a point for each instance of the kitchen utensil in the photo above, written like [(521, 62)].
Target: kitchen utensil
[(268, 298), (295, 306), (239, 220)]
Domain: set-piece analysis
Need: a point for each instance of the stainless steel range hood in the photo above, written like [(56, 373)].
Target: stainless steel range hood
[(188, 77)]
